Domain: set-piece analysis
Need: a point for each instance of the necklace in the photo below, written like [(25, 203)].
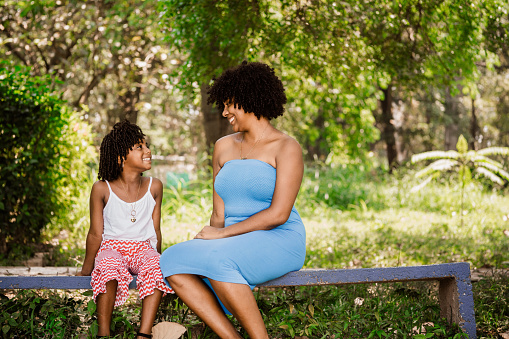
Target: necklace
[(260, 138), (133, 205)]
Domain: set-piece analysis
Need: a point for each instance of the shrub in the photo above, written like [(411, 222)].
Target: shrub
[(44, 152)]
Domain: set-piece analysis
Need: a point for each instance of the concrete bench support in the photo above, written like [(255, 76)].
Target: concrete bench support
[(455, 288)]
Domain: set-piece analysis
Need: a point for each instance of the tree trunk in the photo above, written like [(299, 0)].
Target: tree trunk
[(428, 102), (214, 124), (387, 128), (315, 150), (452, 119), (474, 127), (126, 108)]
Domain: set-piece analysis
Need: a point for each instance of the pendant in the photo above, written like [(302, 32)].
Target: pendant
[(133, 215), (133, 219)]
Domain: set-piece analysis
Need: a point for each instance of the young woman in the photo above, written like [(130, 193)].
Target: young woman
[(255, 233)]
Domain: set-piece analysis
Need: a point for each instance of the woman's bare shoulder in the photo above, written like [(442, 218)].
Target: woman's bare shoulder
[(288, 147), (225, 148), (287, 142), (227, 140)]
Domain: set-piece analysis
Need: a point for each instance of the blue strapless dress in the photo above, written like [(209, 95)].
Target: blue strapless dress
[(246, 187)]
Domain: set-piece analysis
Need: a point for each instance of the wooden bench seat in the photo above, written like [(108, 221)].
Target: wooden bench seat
[(455, 288)]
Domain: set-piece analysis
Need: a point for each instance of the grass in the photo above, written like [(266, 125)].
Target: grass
[(355, 217)]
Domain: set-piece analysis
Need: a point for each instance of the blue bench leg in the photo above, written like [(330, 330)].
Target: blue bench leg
[(457, 303)]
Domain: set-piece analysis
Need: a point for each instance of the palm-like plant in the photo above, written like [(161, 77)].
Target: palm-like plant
[(463, 161)]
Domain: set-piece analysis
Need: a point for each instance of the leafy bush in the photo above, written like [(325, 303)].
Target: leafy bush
[(30, 314), (44, 152)]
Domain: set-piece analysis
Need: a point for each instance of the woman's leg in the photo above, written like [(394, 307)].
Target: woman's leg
[(150, 305), (202, 301), (240, 301), (105, 304)]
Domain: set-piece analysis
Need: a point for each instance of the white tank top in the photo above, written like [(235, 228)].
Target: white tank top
[(117, 218)]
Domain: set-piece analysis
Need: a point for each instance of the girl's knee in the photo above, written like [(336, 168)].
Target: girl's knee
[(112, 283)]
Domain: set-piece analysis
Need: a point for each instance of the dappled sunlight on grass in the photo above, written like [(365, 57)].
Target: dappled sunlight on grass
[(404, 237), (374, 220), (385, 225), (368, 219)]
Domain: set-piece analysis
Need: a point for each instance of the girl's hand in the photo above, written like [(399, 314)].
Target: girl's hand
[(82, 274), (209, 233)]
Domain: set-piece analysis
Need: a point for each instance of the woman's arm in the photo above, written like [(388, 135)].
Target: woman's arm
[(94, 237), (217, 217), (289, 173), (157, 189)]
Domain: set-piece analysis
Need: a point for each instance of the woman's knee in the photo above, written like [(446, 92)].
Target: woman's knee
[(177, 281)]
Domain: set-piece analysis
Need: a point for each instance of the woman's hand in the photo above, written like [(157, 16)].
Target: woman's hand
[(209, 233)]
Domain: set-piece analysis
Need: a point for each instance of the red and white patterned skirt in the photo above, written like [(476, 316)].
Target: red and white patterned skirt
[(118, 259)]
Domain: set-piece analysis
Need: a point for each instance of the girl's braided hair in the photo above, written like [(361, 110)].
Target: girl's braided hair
[(253, 86), (115, 146)]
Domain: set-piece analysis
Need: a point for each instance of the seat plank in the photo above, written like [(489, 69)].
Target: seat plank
[(455, 288)]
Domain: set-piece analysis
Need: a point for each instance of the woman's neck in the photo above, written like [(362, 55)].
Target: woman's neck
[(257, 130)]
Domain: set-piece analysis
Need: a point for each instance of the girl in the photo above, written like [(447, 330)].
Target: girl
[(124, 235)]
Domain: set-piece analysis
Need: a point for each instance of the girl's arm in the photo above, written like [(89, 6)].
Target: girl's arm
[(94, 237), (157, 190), (289, 173)]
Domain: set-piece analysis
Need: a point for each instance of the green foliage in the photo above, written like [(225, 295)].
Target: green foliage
[(44, 156), (492, 307), (30, 314), (402, 310), (211, 35), (341, 187), (465, 162)]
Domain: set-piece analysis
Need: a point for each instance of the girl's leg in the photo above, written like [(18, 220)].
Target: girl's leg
[(240, 301), (202, 301), (105, 304), (150, 305)]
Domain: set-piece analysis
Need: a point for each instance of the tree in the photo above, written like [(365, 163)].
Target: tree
[(215, 35), (211, 36), (107, 54)]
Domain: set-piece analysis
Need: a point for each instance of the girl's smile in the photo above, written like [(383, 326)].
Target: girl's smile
[(142, 152)]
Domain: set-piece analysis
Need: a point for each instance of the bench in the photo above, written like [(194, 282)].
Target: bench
[(455, 289)]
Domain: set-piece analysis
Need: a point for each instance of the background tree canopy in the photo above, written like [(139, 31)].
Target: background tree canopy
[(394, 77), (367, 81)]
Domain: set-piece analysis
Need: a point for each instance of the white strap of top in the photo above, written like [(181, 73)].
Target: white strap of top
[(149, 184), (108, 185)]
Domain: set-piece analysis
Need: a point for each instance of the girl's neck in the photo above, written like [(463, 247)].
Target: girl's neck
[(130, 178)]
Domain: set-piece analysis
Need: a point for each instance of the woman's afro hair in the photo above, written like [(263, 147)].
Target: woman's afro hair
[(116, 145), (253, 86)]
